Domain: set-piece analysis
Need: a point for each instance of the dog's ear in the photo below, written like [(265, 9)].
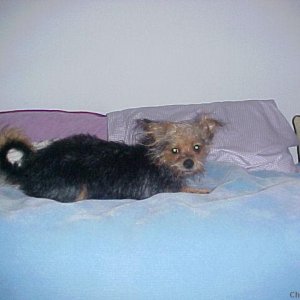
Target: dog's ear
[(208, 126), (144, 124), (154, 127), (153, 130)]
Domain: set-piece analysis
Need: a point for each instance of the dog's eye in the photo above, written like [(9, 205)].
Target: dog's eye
[(197, 148), (175, 150)]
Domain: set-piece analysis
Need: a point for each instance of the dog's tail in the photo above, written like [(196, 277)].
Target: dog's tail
[(13, 141)]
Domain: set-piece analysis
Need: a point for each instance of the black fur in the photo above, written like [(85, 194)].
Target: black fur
[(101, 169)]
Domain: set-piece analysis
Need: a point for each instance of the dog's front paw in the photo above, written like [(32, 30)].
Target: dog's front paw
[(188, 189)]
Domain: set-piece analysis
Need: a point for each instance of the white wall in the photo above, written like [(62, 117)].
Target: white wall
[(114, 54)]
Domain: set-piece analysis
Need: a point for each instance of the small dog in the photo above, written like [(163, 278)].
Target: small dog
[(85, 167)]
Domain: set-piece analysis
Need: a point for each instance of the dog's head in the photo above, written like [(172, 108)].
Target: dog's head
[(182, 145)]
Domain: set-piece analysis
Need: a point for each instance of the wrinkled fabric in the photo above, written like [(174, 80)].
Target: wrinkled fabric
[(241, 241)]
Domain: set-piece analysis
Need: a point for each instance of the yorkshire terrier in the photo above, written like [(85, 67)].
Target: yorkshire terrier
[(85, 167)]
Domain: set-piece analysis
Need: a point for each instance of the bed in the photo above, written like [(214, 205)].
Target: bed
[(241, 241)]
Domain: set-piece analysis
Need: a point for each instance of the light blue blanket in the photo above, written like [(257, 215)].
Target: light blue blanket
[(241, 241)]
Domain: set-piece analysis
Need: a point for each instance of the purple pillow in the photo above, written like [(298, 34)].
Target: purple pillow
[(42, 125), (256, 135)]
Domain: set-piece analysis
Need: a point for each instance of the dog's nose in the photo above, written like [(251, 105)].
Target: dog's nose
[(188, 163)]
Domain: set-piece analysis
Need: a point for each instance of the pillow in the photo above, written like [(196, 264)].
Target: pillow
[(256, 135), (42, 125)]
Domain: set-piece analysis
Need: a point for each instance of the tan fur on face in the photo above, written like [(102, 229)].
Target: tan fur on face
[(185, 151), (13, 134), (183, 137), (162, 137)]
